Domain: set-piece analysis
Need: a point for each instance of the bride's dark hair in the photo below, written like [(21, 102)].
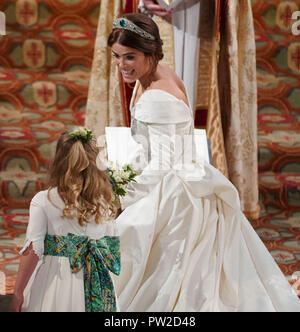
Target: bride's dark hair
[(152, 48)]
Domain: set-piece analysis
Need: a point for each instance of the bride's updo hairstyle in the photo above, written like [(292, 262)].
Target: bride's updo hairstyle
[(151, 48)]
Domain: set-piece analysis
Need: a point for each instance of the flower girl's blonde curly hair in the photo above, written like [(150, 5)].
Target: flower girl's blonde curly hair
[(83, 187)]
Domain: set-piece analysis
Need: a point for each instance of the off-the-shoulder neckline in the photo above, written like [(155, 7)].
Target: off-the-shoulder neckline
[(169, 94)]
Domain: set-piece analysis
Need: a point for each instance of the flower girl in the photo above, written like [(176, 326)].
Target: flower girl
[(71, 246)]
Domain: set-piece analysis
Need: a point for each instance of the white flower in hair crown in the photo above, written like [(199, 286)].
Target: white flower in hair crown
[(83, 134), (123, 23)]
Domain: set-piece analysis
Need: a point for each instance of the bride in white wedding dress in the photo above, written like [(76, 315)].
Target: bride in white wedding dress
[(185, 243)]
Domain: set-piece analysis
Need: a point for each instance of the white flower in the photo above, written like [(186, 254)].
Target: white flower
[(120, 177)]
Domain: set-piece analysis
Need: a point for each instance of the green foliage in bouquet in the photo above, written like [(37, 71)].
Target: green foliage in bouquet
[(120, 177)]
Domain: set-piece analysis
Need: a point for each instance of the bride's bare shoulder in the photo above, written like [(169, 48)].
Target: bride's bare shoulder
[(171, 86)]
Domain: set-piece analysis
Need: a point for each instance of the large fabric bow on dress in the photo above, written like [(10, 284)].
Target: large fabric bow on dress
[(97, 258)]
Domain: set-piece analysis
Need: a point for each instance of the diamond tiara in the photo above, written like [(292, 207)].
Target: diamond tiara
[(123, 23)]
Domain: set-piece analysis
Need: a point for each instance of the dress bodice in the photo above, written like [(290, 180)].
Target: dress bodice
[(159, 106), (163, 125)]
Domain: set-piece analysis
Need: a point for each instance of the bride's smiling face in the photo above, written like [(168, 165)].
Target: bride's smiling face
[(132, 63)]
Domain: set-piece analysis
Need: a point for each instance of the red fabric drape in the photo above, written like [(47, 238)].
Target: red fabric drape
[(129, 6), (219, 4), (202, 114)]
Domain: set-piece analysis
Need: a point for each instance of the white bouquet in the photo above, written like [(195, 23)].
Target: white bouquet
[(120, 177)]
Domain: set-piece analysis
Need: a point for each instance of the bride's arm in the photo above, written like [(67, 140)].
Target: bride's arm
[(160, 151)]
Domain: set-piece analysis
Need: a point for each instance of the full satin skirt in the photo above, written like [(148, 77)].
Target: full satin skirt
[(186, 246)]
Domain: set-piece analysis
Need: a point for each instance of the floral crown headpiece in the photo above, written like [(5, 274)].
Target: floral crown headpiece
[(82, 134), (123, 23)]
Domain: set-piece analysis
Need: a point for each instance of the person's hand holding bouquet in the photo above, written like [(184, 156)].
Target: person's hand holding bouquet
[(120, 177)]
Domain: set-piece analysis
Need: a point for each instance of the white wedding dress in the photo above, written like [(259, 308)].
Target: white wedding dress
[(185, 244)]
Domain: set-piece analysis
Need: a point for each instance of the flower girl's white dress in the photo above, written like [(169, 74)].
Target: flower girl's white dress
[(185, 244), (53, 287)]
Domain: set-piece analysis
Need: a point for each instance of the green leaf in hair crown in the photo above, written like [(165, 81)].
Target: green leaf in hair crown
[(83, 134)]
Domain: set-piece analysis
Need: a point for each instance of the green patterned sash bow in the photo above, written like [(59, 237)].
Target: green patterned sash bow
[(97, 258)]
